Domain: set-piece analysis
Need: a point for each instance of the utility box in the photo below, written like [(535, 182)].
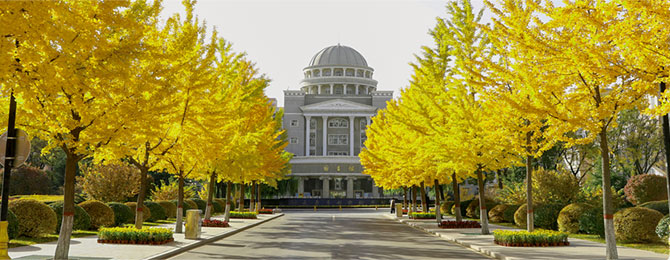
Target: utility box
[(193, 224), (398, 210)]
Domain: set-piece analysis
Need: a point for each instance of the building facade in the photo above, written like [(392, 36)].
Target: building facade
[(326, 120)]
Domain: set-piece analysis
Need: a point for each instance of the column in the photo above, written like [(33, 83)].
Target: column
[(318, 89), (350, 187), (375, 189), (367, 119), (351, 136), (332, 89), (345, 88), (325, 135), (357, 89), (307, 127), (325, 192), (301, 186)]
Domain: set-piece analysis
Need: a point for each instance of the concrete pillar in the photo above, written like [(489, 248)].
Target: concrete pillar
[(357, 89), (325, 192), (319, 89), (351, 136), (301, 186), (350, 187), (325, 135), (332, 89), (307, 128), (344, 86), (375, 190)]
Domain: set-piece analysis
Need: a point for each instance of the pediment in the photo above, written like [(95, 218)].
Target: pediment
[(338, 105)]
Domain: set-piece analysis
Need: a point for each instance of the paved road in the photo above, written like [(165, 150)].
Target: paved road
[(331, 234)]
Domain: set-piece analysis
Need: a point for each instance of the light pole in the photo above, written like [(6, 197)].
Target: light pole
[(10, 151)]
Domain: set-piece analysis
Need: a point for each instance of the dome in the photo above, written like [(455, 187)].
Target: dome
[(338, 55)]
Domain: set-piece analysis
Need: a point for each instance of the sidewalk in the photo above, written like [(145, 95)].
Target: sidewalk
[(89, 248), (470, 237)]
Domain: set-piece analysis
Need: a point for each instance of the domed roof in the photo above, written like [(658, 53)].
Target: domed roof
[(338, 55)]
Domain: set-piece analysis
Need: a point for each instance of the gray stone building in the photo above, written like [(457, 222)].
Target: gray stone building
[(326, 120)]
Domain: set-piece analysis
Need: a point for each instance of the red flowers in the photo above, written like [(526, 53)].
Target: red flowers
[(461, 224), (265, 211), (214, 223)]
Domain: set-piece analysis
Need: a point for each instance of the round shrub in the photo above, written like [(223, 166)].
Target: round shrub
[(35, 218), (544, 215), (146, 212), (445, 207), (122, 213), (520, 217), (12, 225), (28, 180), (568, 218), (636, 224), (463, 206), (169, 207), (218, 207), (185, 207), (591, 221), (662, 228), (659, 205), (101, 214), (82, 221), (223, 203), (201, 204), (508, 214), (472, 209), (645, 187), (496, 215), (157, 211)]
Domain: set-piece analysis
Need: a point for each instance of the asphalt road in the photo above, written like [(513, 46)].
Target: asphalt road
[(332, 234)]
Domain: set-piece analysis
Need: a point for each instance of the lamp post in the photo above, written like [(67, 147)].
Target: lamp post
[(10, 151), (666, 140)]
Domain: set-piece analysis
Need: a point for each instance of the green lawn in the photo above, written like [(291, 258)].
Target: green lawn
[(42, 198)]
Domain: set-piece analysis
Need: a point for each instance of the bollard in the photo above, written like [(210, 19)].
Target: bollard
[(314, 208), (398, 210), (192, 224), (375, 207), (340, 207)]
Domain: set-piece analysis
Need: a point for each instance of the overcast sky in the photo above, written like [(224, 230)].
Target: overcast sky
[(282, 36)]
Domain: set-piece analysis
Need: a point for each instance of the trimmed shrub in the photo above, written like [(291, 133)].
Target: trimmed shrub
[(13, 225), (464, 206), (508, 214), (128, 235), (662, 228), (218, 207), (122, 214), (157, 211), (191, 203), (169, 207), (223, 203), (645, 187), (568, 218), (146, 212), (445, 208), (248, 215), (659, 205), (28, 180), (185, 207), (591, 221), (473, 208), (421, 215), (636, 224), (82, 221), (35, 218), (544, 215), (101, 214), (520, 217), (496, 215)]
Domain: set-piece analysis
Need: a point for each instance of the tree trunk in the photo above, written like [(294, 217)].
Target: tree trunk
[(414, 206), (63, 246), (404, 200), (424, 203), (499, 174), (457, 198), (530, 218), (608, 210), (139, 215), (210, 196), (483, 216), (229, 197), (252, 197), (438, 215), (242, 190), (666, 144), (180, 205), (440, 189), (258, 196)]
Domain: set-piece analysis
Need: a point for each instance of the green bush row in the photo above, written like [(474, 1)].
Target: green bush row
[(137, 235), (422, 215), (536, 237), (237, 214)]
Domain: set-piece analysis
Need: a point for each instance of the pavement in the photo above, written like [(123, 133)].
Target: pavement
[(89, 248), (332, 234), (578, 248)]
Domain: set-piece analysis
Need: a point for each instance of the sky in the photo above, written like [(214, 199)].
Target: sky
[(282, 36)]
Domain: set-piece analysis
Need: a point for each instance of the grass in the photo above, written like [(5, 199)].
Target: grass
[(26, 241), (42, 198), (657, 247)]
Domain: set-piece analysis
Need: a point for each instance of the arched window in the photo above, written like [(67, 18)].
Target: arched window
[(338, 123)]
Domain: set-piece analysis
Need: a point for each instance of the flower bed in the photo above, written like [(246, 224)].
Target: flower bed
[(536, 238), (459, 224), (422, 215), (131, 235), (404, 211), (237, 214), (265, 211), (214, 223)]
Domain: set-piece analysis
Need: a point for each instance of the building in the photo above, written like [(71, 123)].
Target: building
[(326, 120)]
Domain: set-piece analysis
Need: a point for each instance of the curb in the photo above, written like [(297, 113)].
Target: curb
[(198, 243), (479, 249)]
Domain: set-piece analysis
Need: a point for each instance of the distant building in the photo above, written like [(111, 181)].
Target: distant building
[(326, 120)]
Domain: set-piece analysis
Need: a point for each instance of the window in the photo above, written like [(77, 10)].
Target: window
[(294, 123), (338, 123), (312, 124), (336, 153), (338, 139), (364, 137), (293, 140), (326, 72)]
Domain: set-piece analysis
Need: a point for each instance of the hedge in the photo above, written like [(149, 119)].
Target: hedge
[(218, 207), (202, 205), (568, 218), (645, 187), (473, 208), (146, 212), (101, 214), (237, 214), (591, 221), (157, 211), (445, 208), (192, 205), (463, 206), (133, 235), (662, 228), (524, 238), (169, 207), (422, 215), (544, 215), (185, 207), (636, 224), (498, 213), (82, 220), (35, 218), (122, 214), (12, 225), (659, 205)]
